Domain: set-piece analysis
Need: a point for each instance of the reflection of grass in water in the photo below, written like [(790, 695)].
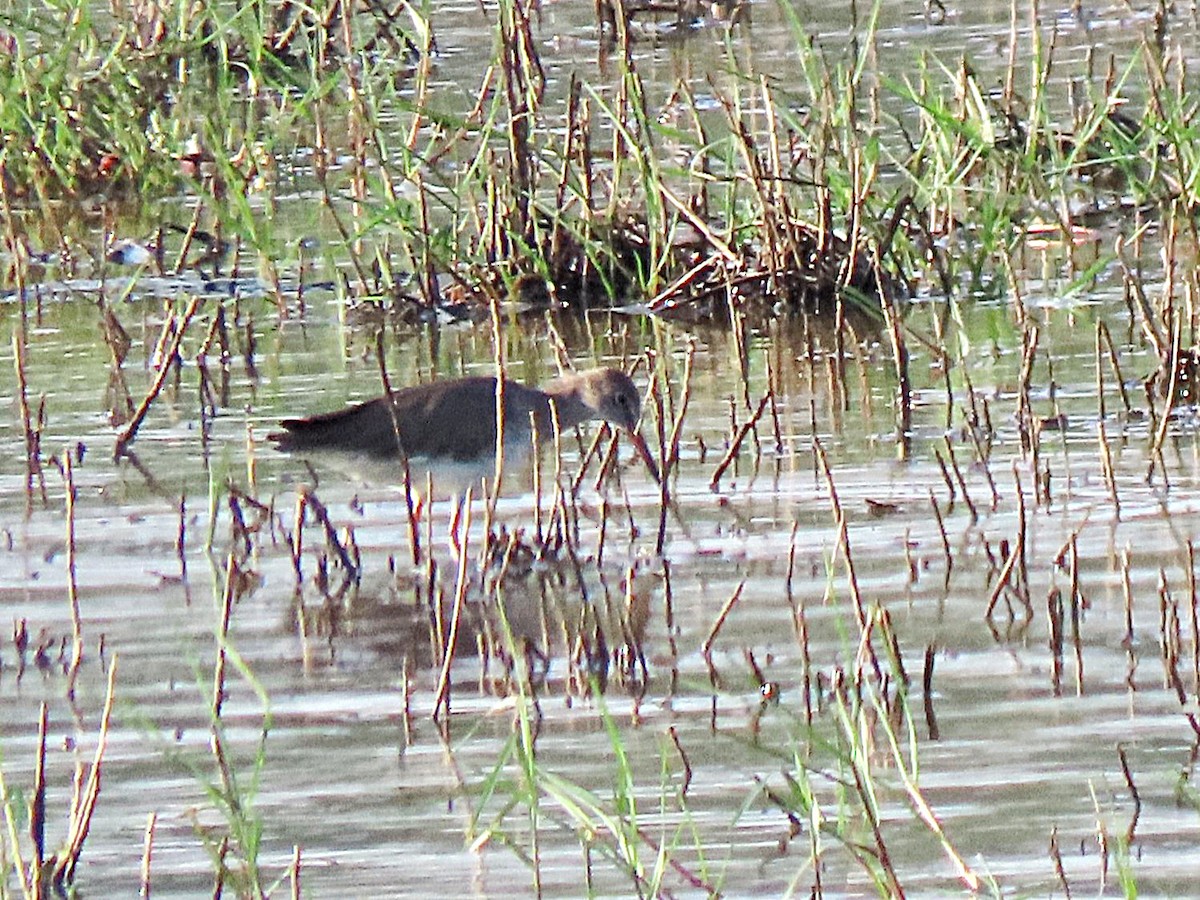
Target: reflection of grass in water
[(861, 746), (230, 792), (520, 784), (228, 781), (861, 713), (234, 845), (607, 826)]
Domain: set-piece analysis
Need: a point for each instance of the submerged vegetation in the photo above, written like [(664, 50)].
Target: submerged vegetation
[(870, 229)]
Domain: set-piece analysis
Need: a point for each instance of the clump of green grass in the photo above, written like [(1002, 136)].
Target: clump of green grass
[(88, 104), (38, 871), (606, 823)]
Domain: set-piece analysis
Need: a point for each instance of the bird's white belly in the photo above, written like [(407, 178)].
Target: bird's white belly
[(451, 477)]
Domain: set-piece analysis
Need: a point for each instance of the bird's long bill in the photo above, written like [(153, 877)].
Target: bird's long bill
[(639, 443)]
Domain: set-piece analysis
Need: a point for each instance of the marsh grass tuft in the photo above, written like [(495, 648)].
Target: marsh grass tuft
[(45, 873)]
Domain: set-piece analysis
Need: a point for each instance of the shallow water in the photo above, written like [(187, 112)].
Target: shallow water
[(1016, 757), (1024, 751)]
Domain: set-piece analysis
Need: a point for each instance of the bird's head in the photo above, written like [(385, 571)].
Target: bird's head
[(612, 396)]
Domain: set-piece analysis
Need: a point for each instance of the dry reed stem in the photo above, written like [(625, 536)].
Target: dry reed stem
[(442, 696), (765, 688), (1102, 332), (585, 460), (927, 693), (431, 566), (1170, 638), (37, 808), (672, 459), (556, 427), (664, 485), (414, 533), (685, 212), (1164, 420), (294, 874), (985, 464), (937, 454), (608, 460), (602, 534), (166, 364), (492, 494), (706, 647), (147, 855), (181, 544), (81, 815), (843, 530), (900, 358), (1102, 844), (68, 473), (962, 482), (1101, 406), (1076, 603), (675, 293), (20, 639), (1023, 535), (669, 626), (941, 524), (683, 758), (1149, 320), (189, 235), (297, 537), (736, 444), (406, 691), (226, 612), (800, 625), (1106, 467), (220, 871), (1059, 869), (321, 514), (33, 464), (1128, 640), (1030, 338), (1194, 616), (1005, 577), (1054, 612), (1133, 795), (539, 534)]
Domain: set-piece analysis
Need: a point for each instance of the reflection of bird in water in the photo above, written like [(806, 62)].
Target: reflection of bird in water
[(546, 613)]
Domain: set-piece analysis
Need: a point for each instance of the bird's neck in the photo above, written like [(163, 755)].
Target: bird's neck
[(566, 393)]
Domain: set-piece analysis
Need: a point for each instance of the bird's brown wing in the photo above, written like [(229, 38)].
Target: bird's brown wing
[(447, 419), (451, 419)]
